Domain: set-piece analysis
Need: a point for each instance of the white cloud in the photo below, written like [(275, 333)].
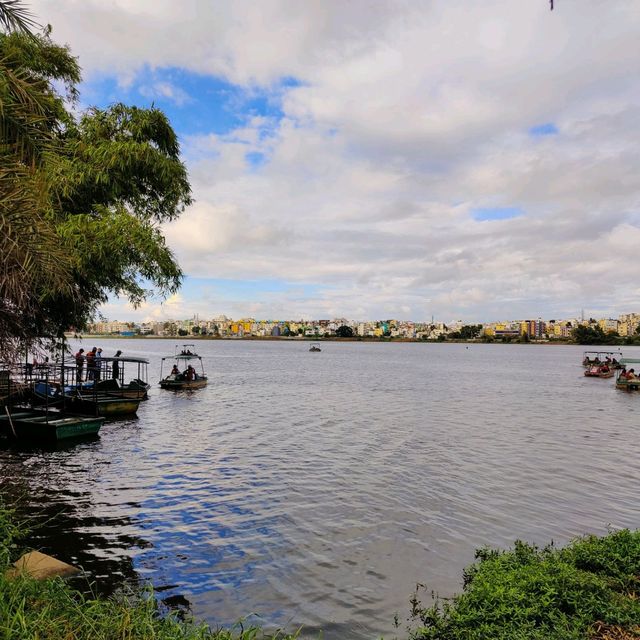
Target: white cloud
[(406, 117)]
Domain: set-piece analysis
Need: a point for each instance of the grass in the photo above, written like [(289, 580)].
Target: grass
[(588, 590)]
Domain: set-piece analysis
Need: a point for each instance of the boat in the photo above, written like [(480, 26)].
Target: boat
[(599, 371), (183, 374), (622, 381), (81, 398), (112, 375), (50, 426), (594, 358), (315, 346)]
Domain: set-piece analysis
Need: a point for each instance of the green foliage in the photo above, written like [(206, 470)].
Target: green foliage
[(344, 331), (15, 17), (82, 196), (541, 594), (593, 335), (467, 332)]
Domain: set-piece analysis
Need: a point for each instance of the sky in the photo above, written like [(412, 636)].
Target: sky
[(456, 159)]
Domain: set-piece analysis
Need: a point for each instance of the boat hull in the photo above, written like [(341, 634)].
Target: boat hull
[(107, 407), (182, 385), (599, 374), (113, 389), (628, 385)]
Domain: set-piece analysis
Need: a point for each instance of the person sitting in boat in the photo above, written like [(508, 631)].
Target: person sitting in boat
[(175, 371), (631, 375), (607, 360), (614, 362), (189, 373), (604, 368), (596, 360)]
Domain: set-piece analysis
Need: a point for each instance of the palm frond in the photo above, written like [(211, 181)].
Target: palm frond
[(14, 16)]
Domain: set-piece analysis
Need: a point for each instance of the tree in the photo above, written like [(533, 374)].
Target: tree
[(195, 330), (344, 331), (81, 197), (591, 335), (469, 332)]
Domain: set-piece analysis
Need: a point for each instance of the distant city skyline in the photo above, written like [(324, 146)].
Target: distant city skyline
[(463, 160)]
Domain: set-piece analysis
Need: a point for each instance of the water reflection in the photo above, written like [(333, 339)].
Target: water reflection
[(318, 489)]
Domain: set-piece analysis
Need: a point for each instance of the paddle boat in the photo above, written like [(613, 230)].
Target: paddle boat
[(595, 358), (599, 371), (183, 375), (627, 380), (315, 346)]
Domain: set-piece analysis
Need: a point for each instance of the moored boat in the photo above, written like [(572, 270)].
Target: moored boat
[(183, 375), (81, 398), (112, 373), (50, 426), (315, 347)]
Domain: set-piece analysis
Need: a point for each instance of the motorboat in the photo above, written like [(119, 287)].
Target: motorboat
[(315, 346), (183, 375)]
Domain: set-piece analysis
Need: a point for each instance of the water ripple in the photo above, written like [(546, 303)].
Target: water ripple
[(317, 489)]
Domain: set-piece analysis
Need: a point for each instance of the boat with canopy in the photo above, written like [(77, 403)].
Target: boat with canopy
[(187, 372)]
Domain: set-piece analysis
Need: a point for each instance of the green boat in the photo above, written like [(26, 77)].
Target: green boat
[(625, 383), (50, 426)]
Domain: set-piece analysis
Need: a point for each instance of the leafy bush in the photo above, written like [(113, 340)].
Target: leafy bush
[(542, 594)]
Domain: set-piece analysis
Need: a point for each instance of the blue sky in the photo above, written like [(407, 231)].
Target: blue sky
[(379, 160)]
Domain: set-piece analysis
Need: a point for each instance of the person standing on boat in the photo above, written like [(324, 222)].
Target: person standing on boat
[(98, 364), (115, 370), (91, 363), (79, 364)]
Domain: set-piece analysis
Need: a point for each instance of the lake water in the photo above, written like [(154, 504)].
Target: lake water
[(317, 489)]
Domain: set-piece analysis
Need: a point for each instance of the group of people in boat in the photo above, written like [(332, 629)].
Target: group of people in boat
[(93, 360), (188, 374), (608, 361), (627, 375)]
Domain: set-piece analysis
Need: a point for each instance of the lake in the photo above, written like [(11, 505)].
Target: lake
[(317, 489)]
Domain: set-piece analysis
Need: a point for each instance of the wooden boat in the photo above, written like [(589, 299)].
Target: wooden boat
[(183, 375), (315, 347), (50, 426), (599, 371)]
